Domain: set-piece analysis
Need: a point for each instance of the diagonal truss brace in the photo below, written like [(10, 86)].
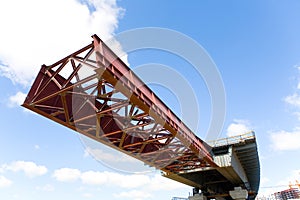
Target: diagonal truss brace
[(93, 92)]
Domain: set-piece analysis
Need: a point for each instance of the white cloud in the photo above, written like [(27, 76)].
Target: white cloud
[(29, 168), (114, 159), (264, 180), (42, 32), (4, 182), (133, 194), (46, 188), (131, 181), (293, 100), (101, 178), (111, 178), (238, 127), (67, 174), (17, 99), (144, 184), (284, 140), (112, 156), (298, 86), (159, 183), (94, 178), (297, 114), (153, 183), (87, 195)]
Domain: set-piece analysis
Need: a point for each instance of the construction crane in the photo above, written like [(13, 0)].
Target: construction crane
[(292, 185)]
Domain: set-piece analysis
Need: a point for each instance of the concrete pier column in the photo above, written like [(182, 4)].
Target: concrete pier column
[(197, 197), (238, 193)]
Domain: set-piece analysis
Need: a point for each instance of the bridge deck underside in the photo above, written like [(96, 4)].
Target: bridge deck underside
[(93, 92), (217, 182), (209, 180), (248, 157)]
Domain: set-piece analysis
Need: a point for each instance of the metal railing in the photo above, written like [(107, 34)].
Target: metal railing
[(232, 140), (179, 198)]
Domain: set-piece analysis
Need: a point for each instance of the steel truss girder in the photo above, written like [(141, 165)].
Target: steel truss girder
[(93, 92)]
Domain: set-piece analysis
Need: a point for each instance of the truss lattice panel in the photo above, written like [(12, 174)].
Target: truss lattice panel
[(93, 92)]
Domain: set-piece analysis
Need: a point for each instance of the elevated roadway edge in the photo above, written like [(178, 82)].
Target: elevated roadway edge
[(238, 166)]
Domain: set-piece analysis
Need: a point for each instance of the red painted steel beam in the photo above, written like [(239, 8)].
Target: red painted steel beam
[(144, 95), (113, 106)]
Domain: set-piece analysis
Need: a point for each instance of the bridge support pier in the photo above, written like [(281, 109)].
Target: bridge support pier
[(197, 197), (238, 193)]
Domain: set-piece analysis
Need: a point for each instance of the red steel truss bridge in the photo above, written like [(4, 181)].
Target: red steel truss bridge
[(95, 93)]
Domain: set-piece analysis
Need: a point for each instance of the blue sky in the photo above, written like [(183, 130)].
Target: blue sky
[(255, 45)]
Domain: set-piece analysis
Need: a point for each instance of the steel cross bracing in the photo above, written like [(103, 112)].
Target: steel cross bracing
[(93, 92)]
